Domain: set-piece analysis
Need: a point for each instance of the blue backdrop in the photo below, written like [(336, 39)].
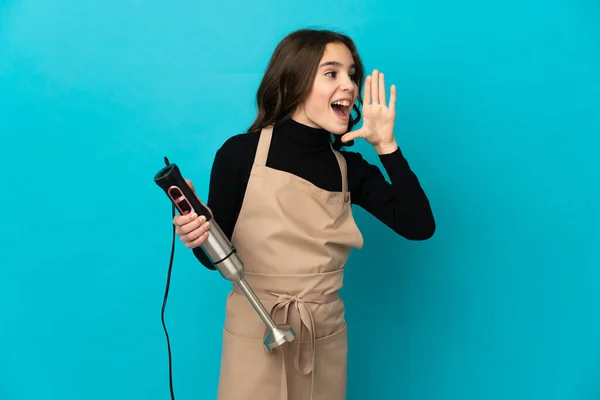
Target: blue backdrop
[(498, 114)]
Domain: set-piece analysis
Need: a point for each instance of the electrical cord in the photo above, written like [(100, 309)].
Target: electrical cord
[(164, 305)]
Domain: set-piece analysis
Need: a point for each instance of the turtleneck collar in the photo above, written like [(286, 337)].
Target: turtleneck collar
[(302, 133)]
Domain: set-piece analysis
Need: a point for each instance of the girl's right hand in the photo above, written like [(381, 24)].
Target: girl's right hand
[(191, 229)]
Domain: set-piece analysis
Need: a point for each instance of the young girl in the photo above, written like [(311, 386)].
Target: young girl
[(282, 193)]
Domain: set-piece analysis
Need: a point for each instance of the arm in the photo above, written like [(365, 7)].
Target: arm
[(224, 197), (402, 205)]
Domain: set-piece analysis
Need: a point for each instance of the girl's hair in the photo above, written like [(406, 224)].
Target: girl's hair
[(290, 75)]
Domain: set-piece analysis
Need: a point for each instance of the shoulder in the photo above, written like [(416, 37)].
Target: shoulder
[(237, 149), (239, 144), (235, 156)]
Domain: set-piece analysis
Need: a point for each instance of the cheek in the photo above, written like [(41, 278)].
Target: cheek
[(318, 101), (323, 98)]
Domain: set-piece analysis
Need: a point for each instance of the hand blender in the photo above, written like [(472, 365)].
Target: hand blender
[(219, 248)]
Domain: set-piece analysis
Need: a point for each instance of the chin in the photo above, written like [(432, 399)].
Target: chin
[(336, 127), (338, 131)]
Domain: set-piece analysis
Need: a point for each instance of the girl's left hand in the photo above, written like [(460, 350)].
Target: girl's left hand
[(378, 119)]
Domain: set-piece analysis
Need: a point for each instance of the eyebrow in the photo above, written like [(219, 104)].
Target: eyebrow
[(334, 63)]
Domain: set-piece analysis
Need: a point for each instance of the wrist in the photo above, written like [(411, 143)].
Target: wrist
[(386, 148)]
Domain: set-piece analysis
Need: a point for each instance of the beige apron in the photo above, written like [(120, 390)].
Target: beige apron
[(294, 239)]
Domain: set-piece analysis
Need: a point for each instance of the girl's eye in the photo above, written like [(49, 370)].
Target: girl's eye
[(332, 74)]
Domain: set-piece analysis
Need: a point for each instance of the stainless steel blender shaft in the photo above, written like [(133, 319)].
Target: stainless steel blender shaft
[(231, 268)]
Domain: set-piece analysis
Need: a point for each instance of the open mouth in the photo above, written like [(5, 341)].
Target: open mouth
[(341, 108)]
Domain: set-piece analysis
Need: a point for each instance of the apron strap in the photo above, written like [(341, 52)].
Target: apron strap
[(264, 142), (342, 163), (283, 393)]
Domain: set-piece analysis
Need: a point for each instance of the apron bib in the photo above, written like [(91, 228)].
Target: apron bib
[(294, 239)]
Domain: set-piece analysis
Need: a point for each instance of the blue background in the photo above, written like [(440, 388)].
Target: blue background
[(498, 114)]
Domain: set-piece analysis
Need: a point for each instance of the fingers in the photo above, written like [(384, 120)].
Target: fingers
[(192, 230), (374, 90), (375, 87), (184, 224), (381, 89), (367, 91), (351, 135), (393, 98), (197, 242)]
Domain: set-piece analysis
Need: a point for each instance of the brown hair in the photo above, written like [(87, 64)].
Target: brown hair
[(290, 75)]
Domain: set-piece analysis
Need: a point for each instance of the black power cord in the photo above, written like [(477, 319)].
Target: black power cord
[(164, 305)]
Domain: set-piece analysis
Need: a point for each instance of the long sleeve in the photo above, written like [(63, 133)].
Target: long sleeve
[(402, 204), (226, 192)]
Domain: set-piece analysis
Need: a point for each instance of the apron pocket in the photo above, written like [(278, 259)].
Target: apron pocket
[(248, 370), (330, 367)]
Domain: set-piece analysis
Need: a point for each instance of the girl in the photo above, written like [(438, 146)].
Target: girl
[(282, 193)]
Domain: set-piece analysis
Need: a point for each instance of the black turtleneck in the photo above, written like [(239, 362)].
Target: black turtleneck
[(305, 152)]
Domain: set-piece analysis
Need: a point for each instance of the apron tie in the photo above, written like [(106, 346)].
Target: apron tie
[(299, 303), (284, 301)]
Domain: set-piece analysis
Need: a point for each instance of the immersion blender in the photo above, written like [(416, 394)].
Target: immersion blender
[(219, 249)]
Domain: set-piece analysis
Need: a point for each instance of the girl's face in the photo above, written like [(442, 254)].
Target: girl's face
[(333, 93)]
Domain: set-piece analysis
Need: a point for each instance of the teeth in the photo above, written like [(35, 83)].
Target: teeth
[(344, 103)]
